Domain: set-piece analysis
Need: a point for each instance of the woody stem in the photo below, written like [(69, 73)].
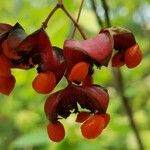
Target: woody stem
[(79, 13), (119, 85), (60, 5), (45, 23), (74, 22)]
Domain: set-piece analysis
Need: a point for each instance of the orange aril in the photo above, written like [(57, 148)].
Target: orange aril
[(106, 118), (56, 131), (133, 56), (82, 116), (79, 72), (93, 127), (44, 82)]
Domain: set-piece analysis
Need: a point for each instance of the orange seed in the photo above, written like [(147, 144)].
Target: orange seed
[(56, 131), (79, 72), (44, 82)]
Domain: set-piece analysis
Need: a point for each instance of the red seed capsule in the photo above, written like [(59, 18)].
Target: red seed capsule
[(88, 81), (79, 72), (133, 56), (7, 84), (44, 83), (82, 116), (56, 131), (9, 53), (93, 127), (5, 66), (118, 59)]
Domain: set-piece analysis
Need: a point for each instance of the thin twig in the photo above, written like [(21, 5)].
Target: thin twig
[(106, 9), (60, 5), (96, 13), (118, 78), (79, 13), (44, 24), (74, 22)]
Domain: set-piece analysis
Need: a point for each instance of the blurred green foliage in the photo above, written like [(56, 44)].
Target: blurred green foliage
[(22, 119)]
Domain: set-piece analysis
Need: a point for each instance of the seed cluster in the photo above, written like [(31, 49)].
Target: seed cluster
[(75, 62)]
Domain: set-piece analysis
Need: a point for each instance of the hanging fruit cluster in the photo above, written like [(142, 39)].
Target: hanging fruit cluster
[(75, 61)]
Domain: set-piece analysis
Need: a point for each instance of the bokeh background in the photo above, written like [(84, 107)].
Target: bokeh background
[(22, 119)]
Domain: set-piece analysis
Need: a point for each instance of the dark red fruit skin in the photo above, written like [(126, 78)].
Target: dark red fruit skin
[(88, 80), (122, 38), (4, 27), (7, 84), (5, 66), (93, 98), (118, 59), (4, 30), (96, 50)]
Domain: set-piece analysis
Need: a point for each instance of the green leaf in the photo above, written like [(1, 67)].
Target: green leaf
[(35, 138)]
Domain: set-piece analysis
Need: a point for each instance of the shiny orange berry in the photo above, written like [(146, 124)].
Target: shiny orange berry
[(79, 72), (106, 118), (118, 59), (44, 83), (7, 84), (133, 56), (93, 127), (56, 131), (82, 116), (5, 66)]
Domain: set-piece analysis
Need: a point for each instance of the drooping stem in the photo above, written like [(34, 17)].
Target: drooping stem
[(74, 22), (79, 13), (119, 85)]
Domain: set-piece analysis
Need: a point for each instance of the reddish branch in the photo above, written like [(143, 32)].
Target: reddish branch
[(79, 13), (44, 25), (61, 6), (75, 23)]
